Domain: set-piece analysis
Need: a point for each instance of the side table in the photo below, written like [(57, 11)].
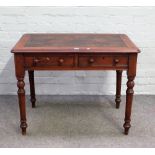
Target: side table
[(75, 52)]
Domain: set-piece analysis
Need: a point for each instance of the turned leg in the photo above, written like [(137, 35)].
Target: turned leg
[(32, 88), (129, 98), (21, 97), (118, 87), (20, 74)]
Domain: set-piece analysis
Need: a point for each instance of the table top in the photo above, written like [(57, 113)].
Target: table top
[(76, 42)]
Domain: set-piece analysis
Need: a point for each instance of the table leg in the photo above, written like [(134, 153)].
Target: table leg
[(32, 88), (129, 98), (21, 97), (118, 87), (20, 74)]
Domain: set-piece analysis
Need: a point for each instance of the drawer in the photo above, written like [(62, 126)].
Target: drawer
[(49, 60), (103, 60)]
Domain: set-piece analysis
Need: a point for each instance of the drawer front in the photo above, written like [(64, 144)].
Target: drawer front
[(50, 61), (103, 61)]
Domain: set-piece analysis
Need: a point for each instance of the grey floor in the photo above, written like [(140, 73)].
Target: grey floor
[(77, 121)]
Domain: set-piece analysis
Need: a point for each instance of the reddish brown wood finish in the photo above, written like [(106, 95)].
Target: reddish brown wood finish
[(131, 73), (102, 60), (75, 52), (118, 43), (118, 87), (32, 88), (20, 74)]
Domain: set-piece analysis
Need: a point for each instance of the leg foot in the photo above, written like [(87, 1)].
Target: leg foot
[(126, 131), (33, 101), (117, 100), (23, 127), (126, 127)]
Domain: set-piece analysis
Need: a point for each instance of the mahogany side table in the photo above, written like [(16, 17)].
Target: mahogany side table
[(75, 52)]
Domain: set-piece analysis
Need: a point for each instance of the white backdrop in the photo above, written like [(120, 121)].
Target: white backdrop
[(137, 22)]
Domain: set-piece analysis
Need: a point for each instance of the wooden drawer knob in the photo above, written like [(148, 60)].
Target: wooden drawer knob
[(47, 58), (91, 60), (116, 61), (36, 61), (61, 61)]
